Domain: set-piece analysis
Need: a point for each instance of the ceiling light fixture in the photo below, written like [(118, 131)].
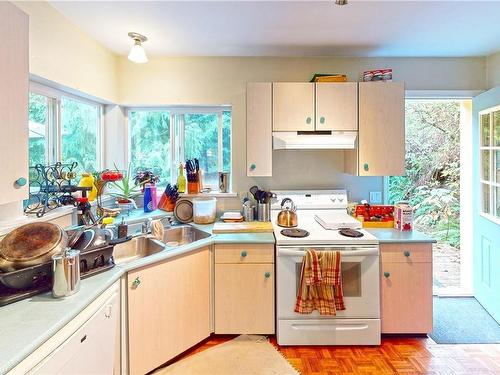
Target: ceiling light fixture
[(341, 2), (137, 53)]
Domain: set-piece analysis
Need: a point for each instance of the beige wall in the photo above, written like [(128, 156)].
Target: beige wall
[(60, 52), (493, 70), (223, 81)]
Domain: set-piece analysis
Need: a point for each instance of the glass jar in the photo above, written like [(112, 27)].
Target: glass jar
[(204, 210)]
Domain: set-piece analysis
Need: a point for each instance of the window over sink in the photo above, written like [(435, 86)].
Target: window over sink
[(162, 138), (63, 127)]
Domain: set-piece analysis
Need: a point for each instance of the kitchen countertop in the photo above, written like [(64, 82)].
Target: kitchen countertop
[(27, 324), (387, 235)]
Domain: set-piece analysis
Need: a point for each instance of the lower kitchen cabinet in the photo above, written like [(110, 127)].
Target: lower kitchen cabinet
[(244, 289), (168, 309), (406, 288)]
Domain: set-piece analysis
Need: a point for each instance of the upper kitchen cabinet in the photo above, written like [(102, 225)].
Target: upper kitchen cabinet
[(293, 106), (337, 106), (259, 129), (381, 137), (14, 78)]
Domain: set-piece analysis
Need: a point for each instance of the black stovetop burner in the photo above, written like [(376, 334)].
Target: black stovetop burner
[(294, 232), (350, 232)]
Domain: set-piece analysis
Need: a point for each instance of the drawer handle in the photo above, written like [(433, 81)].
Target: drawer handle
[(387, 275), (365, 167), (244, 254), (407, 253), (267, 275), (308, 120), (136, 282), (322, 120), (252, 167)]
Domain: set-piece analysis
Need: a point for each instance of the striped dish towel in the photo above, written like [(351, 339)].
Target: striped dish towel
[(320, 284)]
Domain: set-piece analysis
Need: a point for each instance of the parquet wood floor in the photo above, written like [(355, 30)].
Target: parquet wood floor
[(396, 355)]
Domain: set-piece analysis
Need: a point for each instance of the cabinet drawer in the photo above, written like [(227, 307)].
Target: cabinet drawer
[(406, 253), (251, 253)]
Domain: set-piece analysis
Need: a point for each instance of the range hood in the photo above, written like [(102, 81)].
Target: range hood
[(319, 140)]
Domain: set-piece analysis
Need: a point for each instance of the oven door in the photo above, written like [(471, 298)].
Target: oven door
[(360, 281)]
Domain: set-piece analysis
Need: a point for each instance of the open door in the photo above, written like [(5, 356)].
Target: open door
[(486, 200)]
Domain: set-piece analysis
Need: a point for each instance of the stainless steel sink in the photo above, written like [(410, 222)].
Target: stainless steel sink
[(183, 234), (136, 248)]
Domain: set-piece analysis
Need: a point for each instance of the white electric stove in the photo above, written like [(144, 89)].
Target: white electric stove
[(322, 213)]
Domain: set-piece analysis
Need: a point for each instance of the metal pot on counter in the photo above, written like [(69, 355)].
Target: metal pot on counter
[(30, 245), (287, 217)]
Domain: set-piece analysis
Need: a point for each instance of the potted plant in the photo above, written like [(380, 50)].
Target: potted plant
[(146, 176), (127, 190)]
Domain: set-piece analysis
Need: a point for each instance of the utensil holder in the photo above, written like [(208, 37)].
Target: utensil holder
[(249, 213), (264, 212)]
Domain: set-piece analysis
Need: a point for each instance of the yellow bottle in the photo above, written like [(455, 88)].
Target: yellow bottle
[(88, 181), (181, 180)]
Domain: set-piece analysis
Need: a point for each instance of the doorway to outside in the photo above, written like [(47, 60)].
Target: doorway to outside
[(436, 184)]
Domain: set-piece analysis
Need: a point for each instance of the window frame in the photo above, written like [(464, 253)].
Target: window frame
[(54, 133), (492, 184), (177, 154)]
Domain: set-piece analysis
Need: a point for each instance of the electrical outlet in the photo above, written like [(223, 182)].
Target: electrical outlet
[(375, 197)]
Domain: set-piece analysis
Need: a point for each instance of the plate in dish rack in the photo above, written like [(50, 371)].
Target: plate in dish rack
[(183, 211)]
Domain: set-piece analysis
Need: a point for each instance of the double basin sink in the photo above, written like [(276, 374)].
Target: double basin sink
[(142, 246)]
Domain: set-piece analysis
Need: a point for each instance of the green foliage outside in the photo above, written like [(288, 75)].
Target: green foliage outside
[(432, 180), (79, 134), (79, 123), (150, 142), (37, 115)]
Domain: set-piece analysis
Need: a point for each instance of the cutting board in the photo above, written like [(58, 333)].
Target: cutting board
[(243, 227)]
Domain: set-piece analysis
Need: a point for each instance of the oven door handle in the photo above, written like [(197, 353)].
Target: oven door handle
[(347, 253)]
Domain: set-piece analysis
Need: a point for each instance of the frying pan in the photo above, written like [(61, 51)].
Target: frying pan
[(30, 245)]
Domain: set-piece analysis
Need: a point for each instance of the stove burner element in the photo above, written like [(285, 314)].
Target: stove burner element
[(294, 232), (350, 232)]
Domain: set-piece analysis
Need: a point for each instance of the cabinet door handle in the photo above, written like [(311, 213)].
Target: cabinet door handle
[(387, 275), (308, 120), (407, 253), (252, 167), (322, 120), (136, 282), (365, 166), (21, 181), (267, 275), (244, 254)]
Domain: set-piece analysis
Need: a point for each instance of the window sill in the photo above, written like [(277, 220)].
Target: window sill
[(214, 194)]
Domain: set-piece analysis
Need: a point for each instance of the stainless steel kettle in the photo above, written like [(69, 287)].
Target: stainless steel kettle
[(287, 217)]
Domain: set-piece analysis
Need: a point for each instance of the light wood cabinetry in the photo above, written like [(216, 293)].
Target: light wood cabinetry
[(381, 137), (14, 76), (337, 106), (244, 289), (168, 309), (259, 129), (406, 287), (293, 106)]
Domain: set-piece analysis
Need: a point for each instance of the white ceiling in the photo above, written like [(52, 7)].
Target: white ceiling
[(293, 28)]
